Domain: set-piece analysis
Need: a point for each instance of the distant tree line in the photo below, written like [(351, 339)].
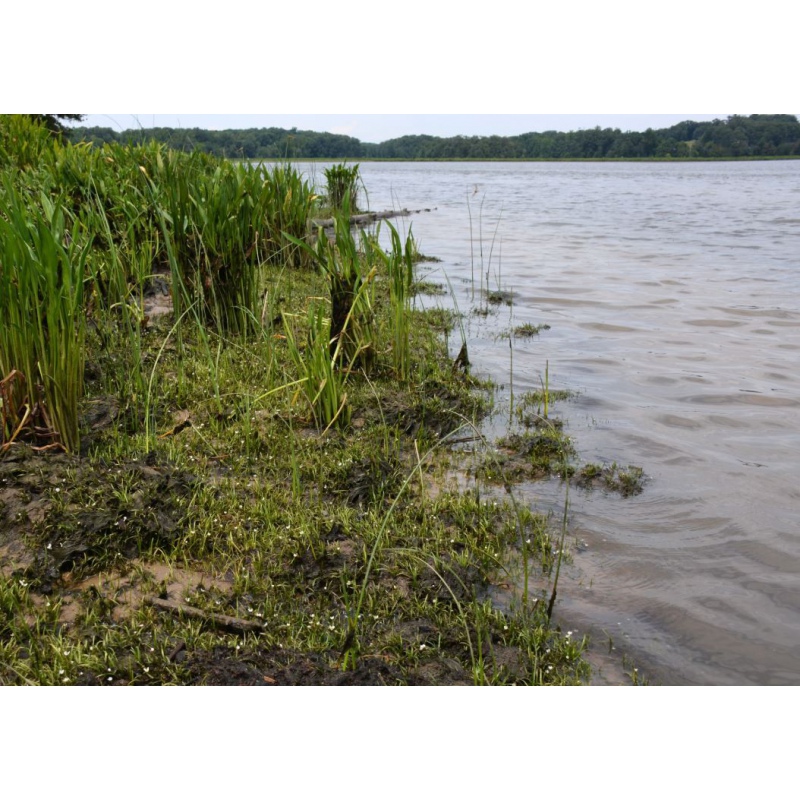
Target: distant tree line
[(737, 136)]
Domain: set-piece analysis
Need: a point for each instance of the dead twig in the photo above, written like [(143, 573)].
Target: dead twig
[(226, 623)]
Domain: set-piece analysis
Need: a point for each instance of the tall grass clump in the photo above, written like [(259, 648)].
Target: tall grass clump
[(227, 218), (225, 221), (399, 265), (342, 182), (22, 141), (117, 273), (41, 307), (322, 383), (344, 262), (290, 206)]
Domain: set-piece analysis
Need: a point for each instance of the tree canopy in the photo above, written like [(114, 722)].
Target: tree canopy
[(756, 135), (53, 122)]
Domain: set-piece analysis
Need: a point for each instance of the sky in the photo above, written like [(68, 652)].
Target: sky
[(378, 71), (380, 127)]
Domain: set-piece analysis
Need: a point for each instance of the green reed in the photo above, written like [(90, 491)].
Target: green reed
[(345, 264), (342, 182), (289, 210), (399, 265), (321, 382), (42, 264), (22, 141)]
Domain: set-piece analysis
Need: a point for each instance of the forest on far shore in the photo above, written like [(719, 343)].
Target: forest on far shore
[(753, 136)]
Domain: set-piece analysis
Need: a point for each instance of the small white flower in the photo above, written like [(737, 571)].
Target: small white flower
[(422, 646)]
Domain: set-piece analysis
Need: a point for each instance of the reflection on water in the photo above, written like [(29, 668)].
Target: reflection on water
[(673, 296)]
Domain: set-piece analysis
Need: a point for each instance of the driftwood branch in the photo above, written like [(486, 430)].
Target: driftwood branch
[(360, 220), (226, 623)]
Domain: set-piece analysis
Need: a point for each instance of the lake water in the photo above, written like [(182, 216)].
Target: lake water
[(672, 292)]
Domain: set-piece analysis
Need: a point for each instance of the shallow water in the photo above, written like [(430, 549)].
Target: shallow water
[(673, 296)]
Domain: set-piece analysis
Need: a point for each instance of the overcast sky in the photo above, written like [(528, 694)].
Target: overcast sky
[(380, 127)]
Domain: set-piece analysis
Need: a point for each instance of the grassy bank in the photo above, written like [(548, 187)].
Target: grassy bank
[(229, 448)]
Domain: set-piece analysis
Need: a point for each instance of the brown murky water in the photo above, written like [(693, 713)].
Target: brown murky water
[(673, 296)]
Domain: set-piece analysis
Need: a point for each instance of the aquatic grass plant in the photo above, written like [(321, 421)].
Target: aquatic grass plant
[(42, 263), (492, 296), (225, 228), (221, 221), (292, 202), (628, 481), (23, 142), (350, 280), (398, 264), (206, 223), (342, 187), (322, 382), (527, 330), (118, 269)]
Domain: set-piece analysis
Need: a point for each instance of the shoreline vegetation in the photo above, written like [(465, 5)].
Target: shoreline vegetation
[(757, 136), (232, 452)]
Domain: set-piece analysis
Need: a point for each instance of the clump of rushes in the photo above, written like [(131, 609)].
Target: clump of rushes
[(628, 481), (342, 183), (350, 279), (399, 265), (322, 382), (23, 143), (224, 225), (529, 330), (291, 203), (41, 307)]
